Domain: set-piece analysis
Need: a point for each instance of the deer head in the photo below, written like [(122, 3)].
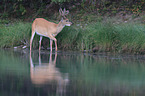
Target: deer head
[(64, 20)]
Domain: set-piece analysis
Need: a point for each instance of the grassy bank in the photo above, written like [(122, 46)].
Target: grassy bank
[(105, 36), (14, 34), (100, 36)]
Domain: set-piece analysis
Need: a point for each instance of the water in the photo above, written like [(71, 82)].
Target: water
[(70, 74)]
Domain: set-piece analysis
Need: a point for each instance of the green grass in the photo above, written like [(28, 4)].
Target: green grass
[(106, 36), (14, 34), (131, 36), (99, 36)]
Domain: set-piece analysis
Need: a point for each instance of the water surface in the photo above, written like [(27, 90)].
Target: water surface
[(70, 74)]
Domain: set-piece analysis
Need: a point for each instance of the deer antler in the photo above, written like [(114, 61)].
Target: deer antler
[(63, 12)]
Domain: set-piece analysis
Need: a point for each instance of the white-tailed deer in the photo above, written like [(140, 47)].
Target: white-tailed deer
[(48, 29)]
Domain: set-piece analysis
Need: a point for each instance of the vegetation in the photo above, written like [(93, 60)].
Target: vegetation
[(15, 34), (99, 36), (21, 8), (98, 25)]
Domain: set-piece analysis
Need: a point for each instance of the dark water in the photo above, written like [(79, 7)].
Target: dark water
[(70, 74)]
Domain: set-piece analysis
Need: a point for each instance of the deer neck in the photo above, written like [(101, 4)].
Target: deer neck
[(60, 26)]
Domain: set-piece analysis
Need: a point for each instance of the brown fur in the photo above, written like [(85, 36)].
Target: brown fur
[(48, 29)]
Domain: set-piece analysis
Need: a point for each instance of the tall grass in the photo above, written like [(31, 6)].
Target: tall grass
[(15, 34), (131, 37), (99, 36), (124, 37)]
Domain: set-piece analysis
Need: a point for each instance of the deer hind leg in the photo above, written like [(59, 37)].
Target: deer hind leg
[(32, 36), (40, 42)]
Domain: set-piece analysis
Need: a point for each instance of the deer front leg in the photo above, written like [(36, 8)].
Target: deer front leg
[(56, 45), (51, 42)]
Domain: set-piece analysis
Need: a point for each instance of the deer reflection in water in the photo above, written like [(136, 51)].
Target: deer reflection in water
[(47, 73)]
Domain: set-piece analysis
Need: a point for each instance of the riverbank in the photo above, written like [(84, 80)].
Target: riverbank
[(103, 36)]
